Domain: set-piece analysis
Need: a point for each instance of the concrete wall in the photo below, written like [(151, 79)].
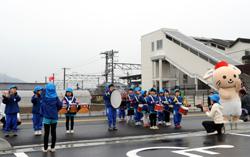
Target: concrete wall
[(146, 55)]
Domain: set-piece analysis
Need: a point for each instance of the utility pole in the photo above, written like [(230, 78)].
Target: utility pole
[(109, 65), (45, 79), (64, 78)]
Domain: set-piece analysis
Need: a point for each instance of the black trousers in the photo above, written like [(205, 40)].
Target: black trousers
[(47, 128), (166, 116), (71, 118), (210, 126), (153, 118)]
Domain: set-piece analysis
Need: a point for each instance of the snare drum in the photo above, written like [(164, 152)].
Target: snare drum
[(183, 110), (63, 110), (73, 109), (84, 108), (140, 106), (159, 107)]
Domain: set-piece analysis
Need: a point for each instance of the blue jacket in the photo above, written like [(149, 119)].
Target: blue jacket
[(106, 98), (152, 101), (177, 102), (36, 101), (166, 101), (133, 101), (50, 107), (11, 102), (50, 103)]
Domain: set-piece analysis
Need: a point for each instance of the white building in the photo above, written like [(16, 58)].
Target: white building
[(170, 58)]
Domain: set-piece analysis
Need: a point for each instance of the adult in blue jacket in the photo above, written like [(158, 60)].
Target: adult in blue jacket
[(110, 110), (37, 117), (11, 99), (49, 110)]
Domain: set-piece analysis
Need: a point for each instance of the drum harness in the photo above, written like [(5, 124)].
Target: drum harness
[(69, 101)]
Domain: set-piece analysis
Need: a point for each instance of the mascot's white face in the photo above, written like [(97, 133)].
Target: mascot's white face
[(226, 76)]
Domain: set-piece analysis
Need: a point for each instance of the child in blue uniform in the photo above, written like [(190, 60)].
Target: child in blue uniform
[(145, 109), (138, 115), (69, 100), (177, 102), (49, 110), (160, 113), (111, 111), (168, 100), (37, 117), (152, 100), (11, 100), (131, 105), (122, 108)]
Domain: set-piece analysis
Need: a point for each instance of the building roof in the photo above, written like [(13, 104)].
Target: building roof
[(201, 48), (243, 40)]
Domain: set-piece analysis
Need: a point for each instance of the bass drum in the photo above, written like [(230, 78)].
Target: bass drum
[(116, 99)]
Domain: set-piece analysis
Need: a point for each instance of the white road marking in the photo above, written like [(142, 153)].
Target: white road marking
[(21, 155), (245, 135), (133, 153), (201, 150)]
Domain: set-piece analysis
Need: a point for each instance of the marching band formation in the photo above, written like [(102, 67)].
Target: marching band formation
[(149, 109)]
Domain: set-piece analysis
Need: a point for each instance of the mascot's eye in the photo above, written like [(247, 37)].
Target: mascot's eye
[(235, 76), (224, 76)]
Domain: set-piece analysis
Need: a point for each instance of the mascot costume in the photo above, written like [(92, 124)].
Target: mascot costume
[(225, 78)]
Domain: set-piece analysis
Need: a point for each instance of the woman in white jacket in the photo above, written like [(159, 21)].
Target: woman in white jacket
[(216, 114)]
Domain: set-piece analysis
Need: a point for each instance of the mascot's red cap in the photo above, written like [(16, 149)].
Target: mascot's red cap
[(221, 64)]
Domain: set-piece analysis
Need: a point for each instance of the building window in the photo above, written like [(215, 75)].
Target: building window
[(221, 47), (212, 44), (184, 46), (176, 41), (185, 78), (152, 46), (247, 53), (203, 56), (194, 51), (169, 37), (159, 44)]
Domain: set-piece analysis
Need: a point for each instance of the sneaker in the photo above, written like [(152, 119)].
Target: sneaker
[(40, 132), (52, 149), (67, 131), (160, 123), (7, 135), (14, 134), (152, 127), (156, 127), (115, 129), (177, 126), (110, 129), (36, 133), (72, 131), (168, 124), (45, 150)]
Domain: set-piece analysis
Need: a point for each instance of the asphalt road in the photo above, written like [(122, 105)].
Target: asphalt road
[(97, 129), (193, 146)]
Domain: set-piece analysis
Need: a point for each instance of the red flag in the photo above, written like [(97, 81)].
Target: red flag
[(51, 78)]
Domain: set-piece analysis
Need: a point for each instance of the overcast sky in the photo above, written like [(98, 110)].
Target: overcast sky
[(38, 38)]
